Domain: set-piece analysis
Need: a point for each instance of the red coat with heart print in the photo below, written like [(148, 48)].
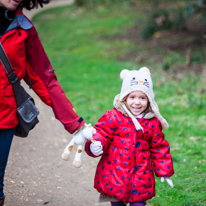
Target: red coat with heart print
[(130, 159)]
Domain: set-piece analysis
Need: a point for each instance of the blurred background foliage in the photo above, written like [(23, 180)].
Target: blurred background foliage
[(161, 18)]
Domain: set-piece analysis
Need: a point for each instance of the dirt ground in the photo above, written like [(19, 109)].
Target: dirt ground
[(36, 174)]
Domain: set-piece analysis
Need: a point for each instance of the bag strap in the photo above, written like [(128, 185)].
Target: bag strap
[(5, 61)]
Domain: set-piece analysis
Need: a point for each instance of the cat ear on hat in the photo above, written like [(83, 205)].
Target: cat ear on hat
[(145, 69), (123, 73)]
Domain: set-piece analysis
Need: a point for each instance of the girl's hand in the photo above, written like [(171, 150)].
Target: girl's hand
[(96, 148), (169, 181)]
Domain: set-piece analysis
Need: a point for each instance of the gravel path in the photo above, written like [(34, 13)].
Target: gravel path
[(36, 174), (53, 3)]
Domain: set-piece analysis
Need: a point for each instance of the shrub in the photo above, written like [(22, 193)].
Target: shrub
[(165, 19)]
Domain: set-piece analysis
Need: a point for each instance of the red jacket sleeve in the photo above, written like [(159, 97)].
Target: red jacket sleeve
[(45, 84), (36, 84), (104, 132), (160, 150)]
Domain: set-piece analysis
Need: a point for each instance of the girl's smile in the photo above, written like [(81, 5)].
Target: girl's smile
[(137, 102)]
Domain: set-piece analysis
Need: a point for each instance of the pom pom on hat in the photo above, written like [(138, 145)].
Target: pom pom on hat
[(123, 73)]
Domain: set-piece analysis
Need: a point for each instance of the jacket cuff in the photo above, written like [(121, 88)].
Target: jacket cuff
[(76, 125)]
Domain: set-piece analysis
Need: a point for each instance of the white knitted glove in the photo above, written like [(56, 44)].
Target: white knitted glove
[(169, 181), (96, 148)]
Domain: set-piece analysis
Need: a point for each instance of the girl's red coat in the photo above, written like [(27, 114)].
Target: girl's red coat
[(125, 170), (30, 62)]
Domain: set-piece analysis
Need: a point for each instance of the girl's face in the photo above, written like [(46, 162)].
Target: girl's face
[(10, 4), (137, 102)]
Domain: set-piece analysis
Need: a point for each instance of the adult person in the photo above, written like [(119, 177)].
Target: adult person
[(30, 62)]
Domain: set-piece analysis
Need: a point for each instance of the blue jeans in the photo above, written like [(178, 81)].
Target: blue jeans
[(6, 136)]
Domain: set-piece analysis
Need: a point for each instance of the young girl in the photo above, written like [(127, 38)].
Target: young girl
[(131, 143)]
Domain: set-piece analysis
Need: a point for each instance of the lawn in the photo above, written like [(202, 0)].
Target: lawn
[(89, 48)]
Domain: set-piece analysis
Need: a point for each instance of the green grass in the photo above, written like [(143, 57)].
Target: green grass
[(82, 47)]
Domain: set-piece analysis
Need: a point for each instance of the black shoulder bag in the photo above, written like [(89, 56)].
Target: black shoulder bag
[(26, 109)]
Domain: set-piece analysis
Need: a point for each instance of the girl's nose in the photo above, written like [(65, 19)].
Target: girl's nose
[(137, 101)]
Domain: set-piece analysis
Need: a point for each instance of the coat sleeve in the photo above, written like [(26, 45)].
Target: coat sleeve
[(41, 76), (160, 150), (104, 132)]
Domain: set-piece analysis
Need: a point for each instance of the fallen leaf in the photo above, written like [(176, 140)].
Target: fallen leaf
[(174, 149)]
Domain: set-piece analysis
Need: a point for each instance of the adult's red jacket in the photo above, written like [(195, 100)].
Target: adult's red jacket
[(130, 158), (30, 62)]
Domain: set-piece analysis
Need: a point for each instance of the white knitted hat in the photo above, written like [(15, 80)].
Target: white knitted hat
[(138, 80)]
